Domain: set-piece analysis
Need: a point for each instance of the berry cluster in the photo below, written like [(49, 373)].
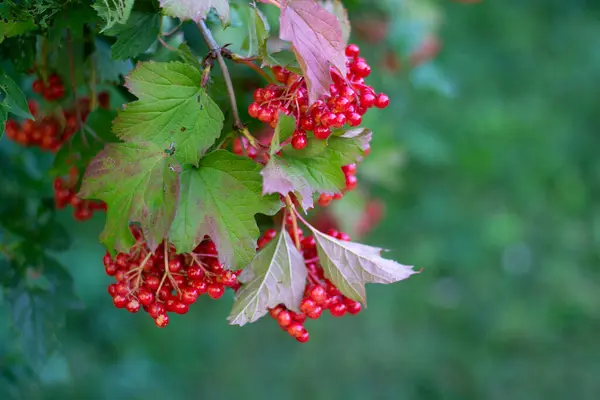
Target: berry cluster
[(348, 100), (51, 131), (320, 294), (65, 193), (53, 89), (161, 282)]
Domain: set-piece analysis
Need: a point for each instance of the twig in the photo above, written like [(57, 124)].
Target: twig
[(290, 210), (74, 87), (273, 2), (237, 122), (172, 31), (165, 44), (248, 61)]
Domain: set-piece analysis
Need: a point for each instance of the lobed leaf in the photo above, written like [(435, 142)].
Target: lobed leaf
[(195, 10), (139, 182), (255, 43), (277, 275), (220, 198), (349, 266), (14, 101), (172, 109), (318, 170), (318, 42)]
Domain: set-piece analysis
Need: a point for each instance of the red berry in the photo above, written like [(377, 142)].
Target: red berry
[(353, 119), (162, 320), (284, 318), (216, 290), (145, 296), (195, 272), (174, 265), (275, 311), (318, 294), (352, 51), (120, 301), (295, 329), (344, 236), (152, 283), (382, 101), (307, 123), (325, 199), (349, 169), (202, 286), (38, 86), (309, 243), (254, 110), (299, 142), (361, 69), (308, 305), (353, 307), (315, 313), (322, 133), (367, 100), (181, 308), (351, 182), (338, 310), (259, 95), (156, 309), (112, 289), (133, 306), (328, 119), (303, 337)]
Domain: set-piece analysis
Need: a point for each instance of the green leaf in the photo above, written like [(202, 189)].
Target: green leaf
[(15, 101), (220, 199), (286, 125), (139, 182), (195, 10), (255, 43), (113, 11), (349, 266), (321, 172), (107, 69), (185, 53), (15, 28), (277, 275), (136, 36), (38, 312), (172, 108)]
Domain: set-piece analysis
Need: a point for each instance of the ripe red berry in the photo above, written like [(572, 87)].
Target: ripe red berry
[(254, 110), (299, 142), (351, 182), (308, 305), (303, 337), (318, 294), (322, 133), (120, 301), (38, 86), (133, 306), (353, 307), (382, 101), (325, 199), (284, 318), (216, 290), (352, 51), (338, 310), (307, 123), (145, 296), (295, 329), (353, 119), (156, 309), (367, 100), (152, 283), (315, 313), (162, 320), (195, 272)]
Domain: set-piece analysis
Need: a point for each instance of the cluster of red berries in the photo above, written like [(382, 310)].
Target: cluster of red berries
[(65, 193), (348, 100), (320, 294), (161, 282), (50, 132), (53, 89)]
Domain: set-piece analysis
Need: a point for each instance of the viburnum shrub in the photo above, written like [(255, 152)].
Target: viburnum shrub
[(182, 193)]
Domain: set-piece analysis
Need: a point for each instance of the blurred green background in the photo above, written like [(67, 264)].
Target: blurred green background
[(487, 163)]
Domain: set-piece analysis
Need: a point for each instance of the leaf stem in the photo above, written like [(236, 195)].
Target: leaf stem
[(248, 62), (74, 87), (291, 210), (237, 122), (273, 2)]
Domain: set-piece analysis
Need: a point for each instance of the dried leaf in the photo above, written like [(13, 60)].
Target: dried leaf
[(318, 42)]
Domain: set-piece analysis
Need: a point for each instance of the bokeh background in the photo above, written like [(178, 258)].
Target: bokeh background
[(487, 165)]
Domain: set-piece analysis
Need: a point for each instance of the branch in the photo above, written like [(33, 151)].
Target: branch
[(248, 61), (292, 212), (237, 122)]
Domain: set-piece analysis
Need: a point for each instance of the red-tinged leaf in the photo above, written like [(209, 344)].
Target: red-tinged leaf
[(277, 275), (318, 42), (139, 182), (349, 266), (195, 10)]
